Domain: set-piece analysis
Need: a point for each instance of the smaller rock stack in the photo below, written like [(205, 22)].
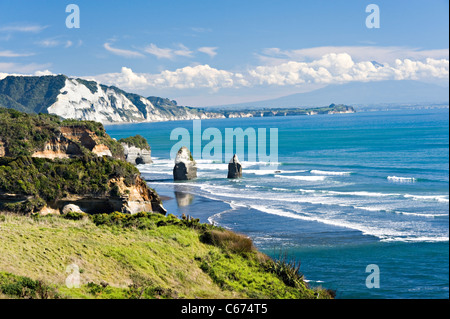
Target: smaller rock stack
[(185, 166), (234, 168), (135, 155)]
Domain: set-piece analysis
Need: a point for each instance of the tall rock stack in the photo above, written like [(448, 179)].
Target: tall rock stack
[(234, 168), (185, 166)]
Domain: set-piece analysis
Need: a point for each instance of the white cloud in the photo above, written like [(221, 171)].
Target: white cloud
[(200, 76), (44, 72), (11, 67), (23, 28), (183, 51), (358, 53), (11, 54), (168, 53), (122, 52), (201, 30), (55, 42), (48, 43), (340, 68), (126, 79), (211, 51), (68, 44), (190, 77), (160, 53), (331, 68)]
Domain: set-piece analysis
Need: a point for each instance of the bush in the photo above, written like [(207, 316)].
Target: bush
[(144, 288), (136, 141), (74, 216), (140, 220), (228, 240), (24, 287)]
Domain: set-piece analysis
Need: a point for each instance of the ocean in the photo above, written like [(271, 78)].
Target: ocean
[(349, 191)]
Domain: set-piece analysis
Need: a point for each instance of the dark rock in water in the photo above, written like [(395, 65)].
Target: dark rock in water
[(185, 166), (234, 168)]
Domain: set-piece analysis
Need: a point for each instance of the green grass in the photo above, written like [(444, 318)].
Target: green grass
[(140, 256)]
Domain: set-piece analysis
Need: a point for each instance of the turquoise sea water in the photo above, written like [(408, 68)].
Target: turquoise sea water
[(349, 190)]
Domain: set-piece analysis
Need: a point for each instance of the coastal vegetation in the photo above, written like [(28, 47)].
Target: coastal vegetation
[(43, 180), (136, 141), (145, 255), (119, 254), (23, 133)]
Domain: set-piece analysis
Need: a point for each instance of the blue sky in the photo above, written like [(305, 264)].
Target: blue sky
[(212, 52)]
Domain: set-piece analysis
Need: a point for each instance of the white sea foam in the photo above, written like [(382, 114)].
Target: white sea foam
[(213, 219), (383, 233), (304, 178), (366, 230), (417, 239), (361, 193), (439, 198), (401, 179), (270, 172), (370, 208), (430, 215), (319, 172)]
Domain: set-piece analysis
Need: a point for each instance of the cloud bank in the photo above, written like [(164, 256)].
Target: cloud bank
[(331, 68)]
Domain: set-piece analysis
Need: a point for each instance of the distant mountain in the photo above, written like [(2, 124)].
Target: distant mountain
[(356, 93), (88, 100)]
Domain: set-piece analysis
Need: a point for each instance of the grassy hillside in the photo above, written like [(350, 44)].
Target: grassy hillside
[(138, 256)]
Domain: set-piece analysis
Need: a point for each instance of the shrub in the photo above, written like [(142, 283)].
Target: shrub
[(24, 287), (228, 240), (287, 269), (140, 220), (74, 215), (137, 141)]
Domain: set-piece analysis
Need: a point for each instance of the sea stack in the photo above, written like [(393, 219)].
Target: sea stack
[(135, 155), (234, 168), (185, 166)]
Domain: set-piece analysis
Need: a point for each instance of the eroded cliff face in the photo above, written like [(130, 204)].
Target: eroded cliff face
[(66, 144), (87, 139), (139, 197), (129, 199), (95, 177), (135, 155)]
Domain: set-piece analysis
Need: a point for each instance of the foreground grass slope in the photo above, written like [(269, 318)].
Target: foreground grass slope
[(137, 256)]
